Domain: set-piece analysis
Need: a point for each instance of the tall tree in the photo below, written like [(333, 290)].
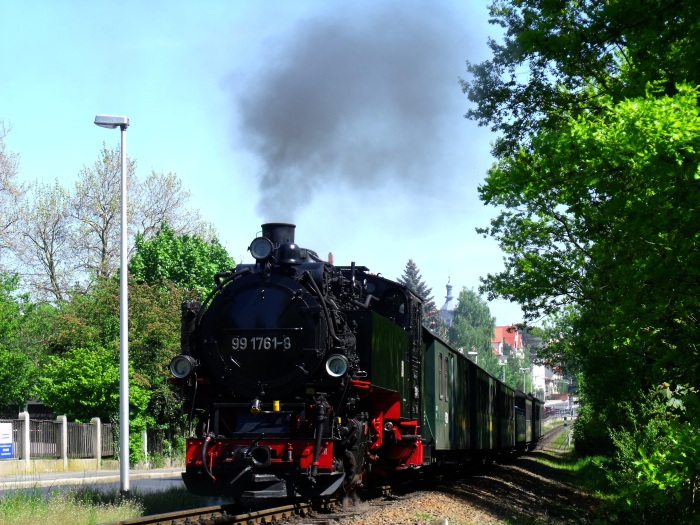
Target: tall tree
[(64, 240), (472, 329), (414, 281), (598, 188), (97, 209), (10, 190), (44, 241), (597, 175), (161, 198)]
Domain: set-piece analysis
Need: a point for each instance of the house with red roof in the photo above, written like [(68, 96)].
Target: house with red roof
[(509, 336)]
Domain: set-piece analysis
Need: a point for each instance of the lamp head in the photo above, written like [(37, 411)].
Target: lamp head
[(112, 121)]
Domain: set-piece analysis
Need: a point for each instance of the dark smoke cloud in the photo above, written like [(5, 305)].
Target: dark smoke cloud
[(361, 99)]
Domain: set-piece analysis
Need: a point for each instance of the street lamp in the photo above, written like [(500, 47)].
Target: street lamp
[(112, 122), (524, 370), (475, 355), (503, 364)]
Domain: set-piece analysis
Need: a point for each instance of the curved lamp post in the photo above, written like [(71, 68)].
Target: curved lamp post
[(112, 122)]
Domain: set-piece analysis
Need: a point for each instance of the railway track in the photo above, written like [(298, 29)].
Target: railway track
[(317, 513), (221, 515)]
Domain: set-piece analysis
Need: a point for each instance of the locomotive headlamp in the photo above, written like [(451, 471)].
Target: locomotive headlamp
[(336, 365), (182, 366), (261, 248), (255, 407)]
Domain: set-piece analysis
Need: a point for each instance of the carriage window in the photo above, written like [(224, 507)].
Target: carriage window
[(440, 374), (446, 382)]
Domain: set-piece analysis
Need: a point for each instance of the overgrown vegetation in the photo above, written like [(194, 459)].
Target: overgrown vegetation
[(29, 507), (91, 507), (597, 178)]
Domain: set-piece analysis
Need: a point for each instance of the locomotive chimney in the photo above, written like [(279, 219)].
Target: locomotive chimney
[(279, 232)]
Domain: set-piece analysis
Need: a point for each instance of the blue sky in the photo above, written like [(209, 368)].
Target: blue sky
[(345, 118)]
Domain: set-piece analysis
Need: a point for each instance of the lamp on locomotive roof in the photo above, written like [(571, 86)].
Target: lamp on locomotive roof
[(474, 356), (113, 122)]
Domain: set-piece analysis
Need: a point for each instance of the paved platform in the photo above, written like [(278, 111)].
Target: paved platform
[(82, 477)]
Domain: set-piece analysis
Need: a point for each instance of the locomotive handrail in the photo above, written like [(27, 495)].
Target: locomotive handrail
[(368, 300), (324, 306)]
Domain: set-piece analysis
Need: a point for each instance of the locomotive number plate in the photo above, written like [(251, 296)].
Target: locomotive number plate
[(261, 341)]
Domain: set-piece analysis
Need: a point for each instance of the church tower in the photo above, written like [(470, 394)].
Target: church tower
[(447, 312)]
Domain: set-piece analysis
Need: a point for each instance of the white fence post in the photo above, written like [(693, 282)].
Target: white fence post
[(26, 444), (97, 441), (145, 446), (63, 420)]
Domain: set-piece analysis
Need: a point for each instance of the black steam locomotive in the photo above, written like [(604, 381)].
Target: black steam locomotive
[(306, 379)]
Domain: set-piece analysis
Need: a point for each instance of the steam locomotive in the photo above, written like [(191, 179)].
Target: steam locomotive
[(305, 379)]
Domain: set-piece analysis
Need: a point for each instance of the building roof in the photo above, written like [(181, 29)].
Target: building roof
[(509, 335)]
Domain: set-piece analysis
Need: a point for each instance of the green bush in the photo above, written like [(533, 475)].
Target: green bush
[(658, 457)]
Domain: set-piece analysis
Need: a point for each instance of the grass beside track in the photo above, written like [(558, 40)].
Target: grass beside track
[(32, 506), (587, 473), (90, 507)]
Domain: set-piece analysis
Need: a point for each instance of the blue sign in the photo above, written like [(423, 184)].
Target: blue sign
[(6, 451)]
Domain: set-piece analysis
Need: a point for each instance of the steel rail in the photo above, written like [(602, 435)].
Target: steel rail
[(219, 515)]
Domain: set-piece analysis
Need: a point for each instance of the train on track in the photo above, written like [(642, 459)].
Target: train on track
[(304, 379)]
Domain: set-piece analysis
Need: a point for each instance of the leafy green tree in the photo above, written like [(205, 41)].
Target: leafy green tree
[(472, 330), (569, 242), (82, 383), (414, 281), (556, 59), (597, 176), (24, 327), (186, 260), (92, 321), (87, 328)]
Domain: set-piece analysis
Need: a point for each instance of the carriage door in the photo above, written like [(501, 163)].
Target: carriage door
[(453, 419)]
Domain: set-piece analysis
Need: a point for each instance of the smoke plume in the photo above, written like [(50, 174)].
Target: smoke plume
[(360, 99)]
